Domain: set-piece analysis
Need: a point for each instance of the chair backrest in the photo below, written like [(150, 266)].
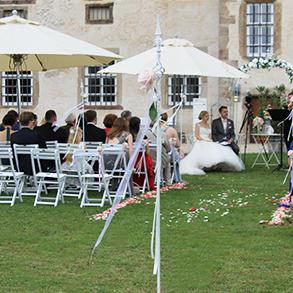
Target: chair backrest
[(114, 157), (47, 155), (86, 159), (7, 154), (67, 148), (23, 150), (52, 144), (91, 145)]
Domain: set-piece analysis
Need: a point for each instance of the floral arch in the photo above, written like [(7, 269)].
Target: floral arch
[(268, 63)]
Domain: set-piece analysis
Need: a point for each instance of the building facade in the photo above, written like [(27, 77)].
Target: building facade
[(235, 31)]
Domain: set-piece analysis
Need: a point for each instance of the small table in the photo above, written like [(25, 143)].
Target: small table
[(266, 150)]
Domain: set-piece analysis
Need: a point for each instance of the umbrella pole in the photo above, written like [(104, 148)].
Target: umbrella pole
[(159, 71), (18, 91)]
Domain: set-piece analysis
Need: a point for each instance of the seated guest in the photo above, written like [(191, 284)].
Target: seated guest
[(92, 132), (26, 136), (119, 134), (172, 136), (134, 126), (7, 122), (49, 131), (35, 121), (15, 116), (126, 114), (223, 130), (108, 122), (165, 163), (70, 122)]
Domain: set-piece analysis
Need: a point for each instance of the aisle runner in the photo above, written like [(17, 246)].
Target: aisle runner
[(136, 199)]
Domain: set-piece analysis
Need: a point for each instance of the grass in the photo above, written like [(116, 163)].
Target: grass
[(45, 249)]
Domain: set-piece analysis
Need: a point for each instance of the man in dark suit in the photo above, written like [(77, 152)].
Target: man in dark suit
[(92, 132), (51, 132), (223, 130), (26, 136)]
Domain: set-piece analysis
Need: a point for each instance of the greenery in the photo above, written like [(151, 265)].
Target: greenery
[(272, 98), (45, 249)]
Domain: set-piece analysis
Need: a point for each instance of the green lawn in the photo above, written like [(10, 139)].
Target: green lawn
[(45, 249)]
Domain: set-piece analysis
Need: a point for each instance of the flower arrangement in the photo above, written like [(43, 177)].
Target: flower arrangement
[(257, 123), (268, 63)]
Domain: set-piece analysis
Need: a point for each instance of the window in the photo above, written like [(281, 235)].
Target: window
[(99, 13), (259, 29), (9, 90), (20, 12), (100, 88), (190, 86)]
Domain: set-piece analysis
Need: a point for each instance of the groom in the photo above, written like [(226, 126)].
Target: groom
[(223, 130)]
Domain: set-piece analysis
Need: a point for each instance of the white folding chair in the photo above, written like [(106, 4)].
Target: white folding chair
[(54, 179), (10, 181), (30, 181), (141, 168), (115, 163), (72, 173), (5, 163), (96, 182), (91, 145), (52, 144), (174, 161)]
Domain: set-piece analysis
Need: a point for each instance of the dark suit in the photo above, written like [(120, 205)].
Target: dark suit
[(26, 136), (94, 133), (220, 135), (52, 133)]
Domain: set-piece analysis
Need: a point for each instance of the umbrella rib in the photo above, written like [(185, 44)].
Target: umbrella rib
[(40, 62)]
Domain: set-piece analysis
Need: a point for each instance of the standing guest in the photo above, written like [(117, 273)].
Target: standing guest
[(26, 136), (92, 132), (70, 122), (223, 130), (16, 125), (7, 122), (134, 127), (49, 131), (108, 122)]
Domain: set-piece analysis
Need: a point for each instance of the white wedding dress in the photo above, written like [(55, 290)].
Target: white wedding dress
[(208, 155)]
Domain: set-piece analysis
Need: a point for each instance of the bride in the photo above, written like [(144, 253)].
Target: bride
[(208, 155)]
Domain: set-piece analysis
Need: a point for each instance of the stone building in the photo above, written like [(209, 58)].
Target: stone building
[(232, 30)]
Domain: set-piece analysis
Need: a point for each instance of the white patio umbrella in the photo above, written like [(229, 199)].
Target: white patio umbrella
[(171, 57), (178, 57), (26, 45)]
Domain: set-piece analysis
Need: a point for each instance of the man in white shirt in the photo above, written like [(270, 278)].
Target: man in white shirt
[(223, 130)]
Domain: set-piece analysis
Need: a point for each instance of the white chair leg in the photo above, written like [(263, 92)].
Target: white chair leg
[(39, 190), (14, 193), (84, 194)]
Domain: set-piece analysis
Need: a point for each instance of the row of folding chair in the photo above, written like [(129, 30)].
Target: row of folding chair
[(41, 181)]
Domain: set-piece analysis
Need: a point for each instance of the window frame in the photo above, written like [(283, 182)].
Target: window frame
[(9, 75), (88, 7), (184, 87), (255, 28), (101, 77)]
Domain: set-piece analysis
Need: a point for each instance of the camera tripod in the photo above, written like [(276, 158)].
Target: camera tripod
[(246, 123)]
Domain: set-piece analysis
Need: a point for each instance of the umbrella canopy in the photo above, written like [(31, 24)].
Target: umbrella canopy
[(178, 57), (42, 48)]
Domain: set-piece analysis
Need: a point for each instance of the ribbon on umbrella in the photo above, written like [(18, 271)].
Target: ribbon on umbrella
[(123, 184)]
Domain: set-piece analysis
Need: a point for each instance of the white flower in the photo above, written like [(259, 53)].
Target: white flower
[(254, 60)]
